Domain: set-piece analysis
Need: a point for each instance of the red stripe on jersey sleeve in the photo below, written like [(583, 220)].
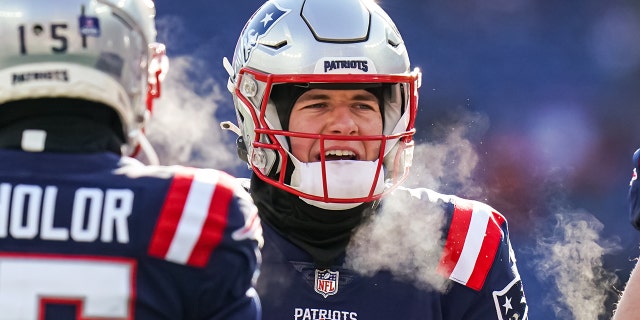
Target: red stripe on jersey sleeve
[(487, 253), (215, 223), (458, 230), (171, 212)]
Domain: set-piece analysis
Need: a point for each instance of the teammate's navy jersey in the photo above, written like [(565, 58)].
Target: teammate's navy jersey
[(97, 236), (473, 262), (634, 193)]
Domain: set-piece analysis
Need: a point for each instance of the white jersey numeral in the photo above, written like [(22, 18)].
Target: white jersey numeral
[(100, 288)]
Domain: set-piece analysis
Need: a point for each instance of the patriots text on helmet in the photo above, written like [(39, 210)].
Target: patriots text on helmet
[(346, 64), (54, 75), (29, 211)]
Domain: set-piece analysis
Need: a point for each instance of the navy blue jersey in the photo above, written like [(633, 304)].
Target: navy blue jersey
[(97, 236), (474, 261), (634, 193)]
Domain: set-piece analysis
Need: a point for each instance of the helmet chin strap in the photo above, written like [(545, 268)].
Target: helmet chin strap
[(345, 179)]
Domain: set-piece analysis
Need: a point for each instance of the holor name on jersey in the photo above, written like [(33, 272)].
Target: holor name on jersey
[(28, 211)]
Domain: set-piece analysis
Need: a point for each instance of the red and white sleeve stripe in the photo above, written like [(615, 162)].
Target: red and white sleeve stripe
[(472, 243), (193, 217)]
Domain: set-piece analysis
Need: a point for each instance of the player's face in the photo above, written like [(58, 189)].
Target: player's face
[(336, 112)]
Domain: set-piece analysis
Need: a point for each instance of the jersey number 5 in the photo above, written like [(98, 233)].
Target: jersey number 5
[(98, 287)]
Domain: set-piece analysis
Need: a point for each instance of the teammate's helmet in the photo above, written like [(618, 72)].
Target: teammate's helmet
[(342, 44), (97, 50)]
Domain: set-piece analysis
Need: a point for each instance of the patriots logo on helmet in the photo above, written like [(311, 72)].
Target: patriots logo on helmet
[(510, 301), (260, 24)]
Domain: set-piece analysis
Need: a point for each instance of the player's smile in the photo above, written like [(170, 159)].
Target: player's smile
[(339, 155)]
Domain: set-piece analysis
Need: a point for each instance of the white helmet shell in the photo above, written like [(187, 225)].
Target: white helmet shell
[(97, 50)]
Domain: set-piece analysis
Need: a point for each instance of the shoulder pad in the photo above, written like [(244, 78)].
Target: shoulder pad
[(194, 216), (472, 241)]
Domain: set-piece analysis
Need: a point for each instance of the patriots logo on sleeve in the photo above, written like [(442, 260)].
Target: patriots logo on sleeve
[(260, 24), (510, 302)]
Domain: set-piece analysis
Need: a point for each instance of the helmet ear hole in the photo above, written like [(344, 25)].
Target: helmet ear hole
[(241, 148)]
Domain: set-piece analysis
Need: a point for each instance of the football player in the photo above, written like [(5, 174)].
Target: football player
[(87, 232), (326, 105), (627, 307)]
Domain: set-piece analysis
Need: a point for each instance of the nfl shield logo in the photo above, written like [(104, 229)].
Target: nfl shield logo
[(89, 26), (326, 282)]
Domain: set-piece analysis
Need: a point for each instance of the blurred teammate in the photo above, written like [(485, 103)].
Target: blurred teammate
[(85, 231), (326, 104), (628, 307)]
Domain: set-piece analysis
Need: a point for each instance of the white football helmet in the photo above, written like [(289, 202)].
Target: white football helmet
[(97, 50), (330, 44)]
